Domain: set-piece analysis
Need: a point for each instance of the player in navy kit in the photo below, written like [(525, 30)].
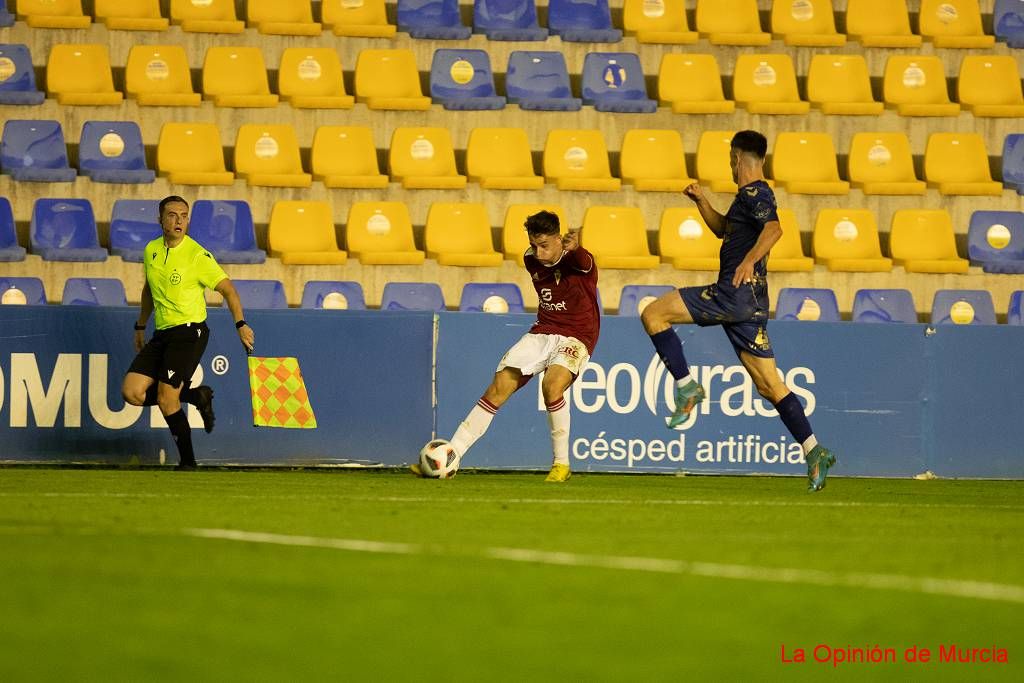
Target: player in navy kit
[(738, 301)]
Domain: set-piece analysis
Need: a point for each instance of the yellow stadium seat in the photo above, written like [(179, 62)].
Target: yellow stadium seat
[(713, 160), (916, 86), (787, 256), (423, 158), (268, 156), (766, 84), (514, 240), (654, 161), (841, 84), (380, 233), (310, 78), (345, 157), (291, 18), (692, 84), (957, 163), (302, 233), (805, 163), (131, 15), (388, 79), (658, 21), (52, 13), (500, 159), (881, 163), (459, 234), (365, 19), (192, 154), (806, 23), (847, 240), (731, 22), (80, 74), (922, 241), (578, 160), (685, 241), (990, 86), (617, 237), (880, 23), (236, 77), (953, 23), (208, 16), (159, 75)]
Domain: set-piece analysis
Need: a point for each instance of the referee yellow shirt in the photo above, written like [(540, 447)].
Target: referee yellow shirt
[(177, 278)]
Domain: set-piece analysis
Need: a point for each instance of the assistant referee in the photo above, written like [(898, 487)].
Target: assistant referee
[(177, 271)]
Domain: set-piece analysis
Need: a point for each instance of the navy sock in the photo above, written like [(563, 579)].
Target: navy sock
[(792, 413), (670, 349), (182, 433)]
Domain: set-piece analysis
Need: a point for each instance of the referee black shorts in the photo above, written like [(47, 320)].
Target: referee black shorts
[(172, 355)]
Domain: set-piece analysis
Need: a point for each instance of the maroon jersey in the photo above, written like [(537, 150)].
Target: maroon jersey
[(568, 296)]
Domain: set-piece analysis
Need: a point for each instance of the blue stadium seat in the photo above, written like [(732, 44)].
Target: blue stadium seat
[(963, 307), (412, 296), (582, 21), (94, 291), (884, 306), (18, 84), (35, 151), (65, 230), (462, 79), (260, 294), (432, 19), (804, 303), (134, 223), (507, 20), (112, 152), (491, 297), (1013, 160), (22, 290), (330, 294), (995, 240), (632, 295), (10, 250), (614, 81), (1014, 313), (539, 81), (1008, 21), (226, 229), (6, 18)]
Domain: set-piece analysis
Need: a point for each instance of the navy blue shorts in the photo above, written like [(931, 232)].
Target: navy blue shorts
[(742, 313)]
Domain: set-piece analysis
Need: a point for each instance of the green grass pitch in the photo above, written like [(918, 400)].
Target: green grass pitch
[(295, 575)]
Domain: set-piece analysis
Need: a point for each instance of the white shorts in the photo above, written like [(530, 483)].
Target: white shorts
[(535, 352)]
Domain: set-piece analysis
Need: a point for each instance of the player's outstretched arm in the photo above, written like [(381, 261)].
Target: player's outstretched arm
[(245, 333), (714, 220)]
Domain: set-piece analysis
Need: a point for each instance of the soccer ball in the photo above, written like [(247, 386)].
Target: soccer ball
[(438, 460)]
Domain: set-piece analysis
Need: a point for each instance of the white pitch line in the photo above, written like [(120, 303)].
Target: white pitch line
[(354, 545)]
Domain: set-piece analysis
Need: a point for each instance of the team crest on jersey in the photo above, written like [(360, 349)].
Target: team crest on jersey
[(752, 191), (762, 210), (175, 278)]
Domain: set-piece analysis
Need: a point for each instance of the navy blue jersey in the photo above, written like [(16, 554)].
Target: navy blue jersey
[(753, 207)]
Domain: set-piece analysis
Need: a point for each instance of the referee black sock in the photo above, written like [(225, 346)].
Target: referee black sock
[(182, 433), (188, 395)]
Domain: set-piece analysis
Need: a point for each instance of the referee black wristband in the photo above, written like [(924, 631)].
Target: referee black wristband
[(240, 324), (140, 328)]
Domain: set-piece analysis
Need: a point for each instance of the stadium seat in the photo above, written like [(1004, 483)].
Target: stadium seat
[(192, 154), (333, 295), (18, 77), (995, 241), (614, 81), (10, 250), (491, 297), (1014, 314), (806, 23), (65, 230), (990, 86), (658, 21), (134, 223), (963, 307), (1008, 21), (957, 163), (225, 228), (459, 234), (539, 81), (35, 151), (207, 16), (53, 14), (884, 306), (807, 304), (805, 163), (953, 23), (731, 22), (259, 294), (388, 79), (847, 240), (582, 21), (432, 19), (94, 291), (635, 298), (366, 19), (881, 163), (236, 77), (1013, 162), (269, 156), (22, 290), (302, 233), (131, 15), (311, 78), (412, 296), (654, 161), (112, 152), (578, 160), (462, 79), (345, 157), (916, 86), (80, 74), (514, 20), (273, 17), (922, 241), (617, 238), (692, 84), (424, 159), (685, 241), (766, 84), (514, 240), (380, 233), (880, 23), (500, 159), (787, 256), (841, 84), (6, 18), (159, 75)]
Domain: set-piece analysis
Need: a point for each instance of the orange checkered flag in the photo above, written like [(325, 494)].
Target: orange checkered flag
[(279, 396)]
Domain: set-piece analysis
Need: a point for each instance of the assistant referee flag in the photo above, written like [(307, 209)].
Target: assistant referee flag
[(279, 397)]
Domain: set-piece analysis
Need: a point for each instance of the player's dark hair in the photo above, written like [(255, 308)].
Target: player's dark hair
[(543, 223), (750, 142), (170, 200)]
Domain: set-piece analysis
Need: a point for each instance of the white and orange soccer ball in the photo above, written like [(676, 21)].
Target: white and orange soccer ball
[(438, 460)]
